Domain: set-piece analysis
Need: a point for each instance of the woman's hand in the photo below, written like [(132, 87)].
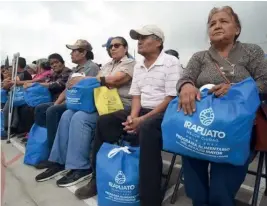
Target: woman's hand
[(187, 98), (220, 89)]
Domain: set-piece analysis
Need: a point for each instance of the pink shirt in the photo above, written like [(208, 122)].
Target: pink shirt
[(43, 75)]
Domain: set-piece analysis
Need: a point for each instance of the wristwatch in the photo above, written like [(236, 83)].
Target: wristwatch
[(102, 81)]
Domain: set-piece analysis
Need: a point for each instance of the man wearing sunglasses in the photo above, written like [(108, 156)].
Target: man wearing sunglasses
[(153, 87)]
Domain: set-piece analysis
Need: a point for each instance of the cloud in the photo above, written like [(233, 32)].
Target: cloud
[(37, 29)]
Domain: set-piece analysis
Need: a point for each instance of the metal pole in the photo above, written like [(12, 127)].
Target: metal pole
[(12, 93)]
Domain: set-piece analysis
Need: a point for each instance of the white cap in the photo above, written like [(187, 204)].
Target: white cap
[(147, 30)]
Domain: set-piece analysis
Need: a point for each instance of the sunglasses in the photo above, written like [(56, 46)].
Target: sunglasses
[(116, 46)]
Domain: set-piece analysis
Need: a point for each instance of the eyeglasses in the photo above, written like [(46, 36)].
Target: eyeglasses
[(116, 46)]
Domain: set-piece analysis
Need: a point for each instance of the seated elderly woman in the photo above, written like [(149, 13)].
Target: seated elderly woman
[(229, 59), (71, 148), (55, 81), (44, 74), (32, 69)]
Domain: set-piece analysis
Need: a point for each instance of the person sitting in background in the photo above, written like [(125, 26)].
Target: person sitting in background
[(48, 115), (3, 77), (32, 69), (3, 69), (25, 113), (58, 78), (22, 75), (153, 87), (172, 52), (43, 75), (229, 59), (55, 83), (71, 148), (107, 44)]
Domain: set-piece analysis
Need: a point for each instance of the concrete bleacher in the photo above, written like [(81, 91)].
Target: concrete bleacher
[(22, 189)]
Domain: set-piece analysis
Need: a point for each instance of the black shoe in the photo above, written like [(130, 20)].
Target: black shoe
[(73, 177), (50, 173), (24, 140), (12, 134), (21, 135), (88, 190), (44, 164)]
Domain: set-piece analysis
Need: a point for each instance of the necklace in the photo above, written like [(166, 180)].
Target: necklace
[(228, 71)]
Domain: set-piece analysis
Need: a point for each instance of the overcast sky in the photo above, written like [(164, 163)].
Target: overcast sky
[(37, 29)]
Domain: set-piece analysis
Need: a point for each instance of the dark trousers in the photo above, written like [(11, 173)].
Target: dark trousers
[(218, 190), (26, 118), (48, 115), (109, 129), (14, 119)]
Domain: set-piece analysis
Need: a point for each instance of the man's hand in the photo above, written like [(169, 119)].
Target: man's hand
[(132, 125), (74, 81), (220, 89), (7, 84)]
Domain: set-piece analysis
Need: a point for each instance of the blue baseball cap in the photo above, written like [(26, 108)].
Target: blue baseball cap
[(107, 44)]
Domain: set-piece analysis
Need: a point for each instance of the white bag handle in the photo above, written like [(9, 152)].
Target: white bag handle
[(115, 151)]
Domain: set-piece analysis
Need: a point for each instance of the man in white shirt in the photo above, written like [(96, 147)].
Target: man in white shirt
[(153, 87)]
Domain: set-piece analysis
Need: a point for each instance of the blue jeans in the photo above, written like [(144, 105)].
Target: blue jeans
[(48, 115), (218, 190), (73, 139)]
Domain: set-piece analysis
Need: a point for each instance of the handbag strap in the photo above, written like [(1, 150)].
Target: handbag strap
[(222, 74)]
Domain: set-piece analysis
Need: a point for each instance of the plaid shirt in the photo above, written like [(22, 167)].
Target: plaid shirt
[(57, 82)]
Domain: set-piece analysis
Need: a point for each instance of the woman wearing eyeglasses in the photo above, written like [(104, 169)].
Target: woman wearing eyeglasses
[(71, 148)]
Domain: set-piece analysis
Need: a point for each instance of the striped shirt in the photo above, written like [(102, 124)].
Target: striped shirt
[(157, 82)]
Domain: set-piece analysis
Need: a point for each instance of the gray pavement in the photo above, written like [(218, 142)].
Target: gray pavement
[(22, 190)]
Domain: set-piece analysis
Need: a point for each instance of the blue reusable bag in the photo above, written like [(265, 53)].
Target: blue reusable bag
[(3, 132), (37, 148), (117, 177), (19, 97), (37, 94), (4, 95), (81, 96), (220, 129)]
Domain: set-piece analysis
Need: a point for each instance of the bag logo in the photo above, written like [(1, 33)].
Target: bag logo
[(72, 91), (206, 116), (120, 178)]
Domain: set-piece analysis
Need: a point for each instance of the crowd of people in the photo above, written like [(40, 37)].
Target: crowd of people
[(145, 88)]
